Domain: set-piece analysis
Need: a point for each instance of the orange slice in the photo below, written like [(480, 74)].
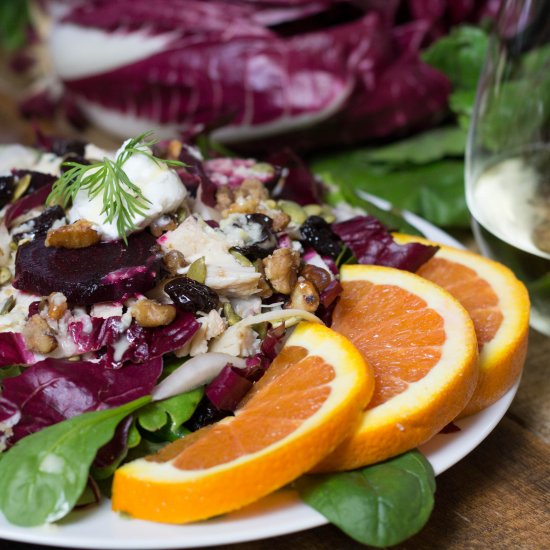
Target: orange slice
[(421, 344), (497, 302), (308, 401)]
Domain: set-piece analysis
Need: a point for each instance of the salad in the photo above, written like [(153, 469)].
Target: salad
[(152, 271)]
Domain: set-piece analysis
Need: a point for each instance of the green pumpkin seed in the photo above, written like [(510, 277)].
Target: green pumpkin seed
[(197, 270), (297, 214), (5, 275), (230, 314), (313, 209), (7, 306), (21, 187), (243, 260)]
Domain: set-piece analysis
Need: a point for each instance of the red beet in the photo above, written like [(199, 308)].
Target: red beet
[(98, 273)]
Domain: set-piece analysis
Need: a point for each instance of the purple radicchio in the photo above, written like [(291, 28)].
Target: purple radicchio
[(226, 391), (54, 390), (371, 243), (36, 195), (317, 73), (118, 344), (13, 350)]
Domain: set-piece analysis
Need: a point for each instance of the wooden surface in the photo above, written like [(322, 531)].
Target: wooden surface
[(498, 497)]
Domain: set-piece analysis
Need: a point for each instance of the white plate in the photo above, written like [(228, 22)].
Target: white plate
[(278, 514)]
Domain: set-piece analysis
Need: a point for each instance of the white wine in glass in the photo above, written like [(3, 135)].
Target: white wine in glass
[(508, 154)]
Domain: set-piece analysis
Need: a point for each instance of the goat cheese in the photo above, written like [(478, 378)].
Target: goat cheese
[(157, 182)]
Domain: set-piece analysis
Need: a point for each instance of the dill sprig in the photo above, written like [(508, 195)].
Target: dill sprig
[(122, 199)]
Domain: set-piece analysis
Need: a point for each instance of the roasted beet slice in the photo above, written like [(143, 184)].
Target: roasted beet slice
[(99, 273)]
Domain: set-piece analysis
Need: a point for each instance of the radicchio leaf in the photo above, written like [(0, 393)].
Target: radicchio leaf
[(135, 343), (300, 185), (371, 243), (13, 350), (28, 202), (228, 388), (54, 390)]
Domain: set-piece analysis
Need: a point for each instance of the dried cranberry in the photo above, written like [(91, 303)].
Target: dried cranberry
[(189, 295), (317, 233), (6, 189), (205, 413)]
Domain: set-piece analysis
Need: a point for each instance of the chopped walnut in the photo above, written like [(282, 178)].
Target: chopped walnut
[(38, 335), (80, 234), (245, 199), (149, 313), (320, 277), (173, 261), (224, 197), (265, 289), (162, 225), (304, 296), (281, 269), (57, 305), (251, 189)]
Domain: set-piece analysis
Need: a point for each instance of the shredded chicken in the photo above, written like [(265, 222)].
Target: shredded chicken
[(224, 273)]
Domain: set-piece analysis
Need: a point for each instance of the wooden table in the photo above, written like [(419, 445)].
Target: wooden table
[(498, 497)]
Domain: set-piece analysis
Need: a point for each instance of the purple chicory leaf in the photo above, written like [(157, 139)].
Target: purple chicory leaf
[(300, 185), (256, 367), (114, 451), (13, 350), (54, 390), (27, 202), (135, 343), (228, 388), (371, 243), (270, 346)]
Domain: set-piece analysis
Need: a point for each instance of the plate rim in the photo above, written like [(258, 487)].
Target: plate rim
[(474, 430)]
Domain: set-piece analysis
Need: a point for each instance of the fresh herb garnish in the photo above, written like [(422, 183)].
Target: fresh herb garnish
[(122, 199)]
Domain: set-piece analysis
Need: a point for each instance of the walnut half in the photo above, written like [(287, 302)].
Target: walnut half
[(281, 269), (38, 336), (80, 234), (149, 313)]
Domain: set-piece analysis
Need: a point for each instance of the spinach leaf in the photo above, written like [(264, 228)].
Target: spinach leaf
[(43, 475), (447, 141), (380, 505), (167, 416), (459, 55), (434, 190)]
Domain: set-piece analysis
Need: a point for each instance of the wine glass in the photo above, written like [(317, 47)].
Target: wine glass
[(508, 152)]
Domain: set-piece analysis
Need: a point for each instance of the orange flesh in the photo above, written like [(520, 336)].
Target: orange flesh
[(395, 332), (277, 405), (474, 293)]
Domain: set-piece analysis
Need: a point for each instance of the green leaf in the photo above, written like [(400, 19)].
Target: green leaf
[(434, 190), (43, 475), (380, 505), (14, 20), (460, 56), (170, 413), (426, 147), (9, 371)]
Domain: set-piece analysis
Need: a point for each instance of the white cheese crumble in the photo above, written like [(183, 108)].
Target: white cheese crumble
[(195, 239), (158, 183)]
